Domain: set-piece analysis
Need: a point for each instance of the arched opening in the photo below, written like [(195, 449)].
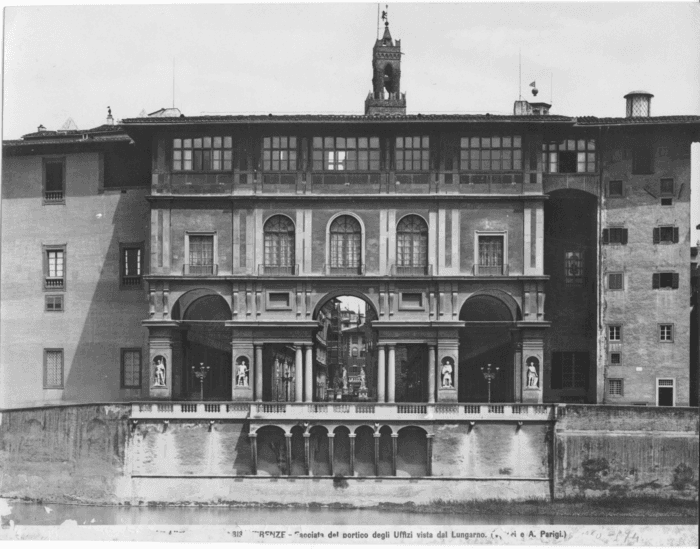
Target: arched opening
[(298, 461), (486, 339), (206, 343), (385, 466), (341, 452), (412, 453), (345, 343), (389, 78), (345, 245), (279, 245), (364, 451), (319, 452), (272, 451), (412, 245)]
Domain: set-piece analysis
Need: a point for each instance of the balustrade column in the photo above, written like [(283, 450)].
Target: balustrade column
[(394, 440), (307, 465), (429, 451), (431, 374), (288, 457), (331, 442), (376, 453), (258, 373), (253, 441), (381, 374), (391, 375), (352, 454), (299, 374), (308, 374)]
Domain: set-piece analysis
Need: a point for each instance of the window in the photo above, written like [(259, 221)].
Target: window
[(665, 392), (491, 153), (616, 358), (569, 156), (666, 333), (53, 368), (615, 387), (616, 281), (574, 268), (54, 180), (279, 243), (615, 235), (355, 351), (411, 301), (280, 153), (131, 369), (615, 189), (411, 245), (666, 187), (345, 244), (201, 255), (615, 333), (665, 235), (355, 339), (642, 160), (569, 370), (54, 267), (53, 303), (346, 153), (490, 255), (278, 300), (413, 153), (203, 154), (131, 257), (665, 280)]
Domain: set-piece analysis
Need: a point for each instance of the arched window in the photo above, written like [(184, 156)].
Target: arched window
[(354, 351), (279, 242), (346, 244), (412, 243)]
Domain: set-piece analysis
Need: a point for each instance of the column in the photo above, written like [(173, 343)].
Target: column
[(381, 374), (331, 443), (307, 467), (394, 444), (299, 374), (288, 443), (391, 374), (258, 373), (376, 453), (431, 374), (253, 441), (352, 454), (429, 448), (308, 374)]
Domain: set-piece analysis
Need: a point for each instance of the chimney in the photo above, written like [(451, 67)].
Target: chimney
[(41, 128), (638, 104), (110, 120)]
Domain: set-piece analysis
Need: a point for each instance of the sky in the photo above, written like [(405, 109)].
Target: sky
[(74, 61)]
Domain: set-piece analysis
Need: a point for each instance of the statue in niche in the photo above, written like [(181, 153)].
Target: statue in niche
[(363, 379), (242, 372), (533, 378), (446, 372), (345, 379), (159, 372)]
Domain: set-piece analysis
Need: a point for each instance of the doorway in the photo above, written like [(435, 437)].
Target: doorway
[(665, 392)]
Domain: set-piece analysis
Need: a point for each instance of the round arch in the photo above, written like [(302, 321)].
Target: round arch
[(185, 300), (427, 225), (337, 293), (363, 236), (273, 215), (500, 303)]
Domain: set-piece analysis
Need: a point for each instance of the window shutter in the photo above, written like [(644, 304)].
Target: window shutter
[(675, 235), (655, 281), (674, 283), (606, 236), (657, 236), (624, 236), (556, 377)]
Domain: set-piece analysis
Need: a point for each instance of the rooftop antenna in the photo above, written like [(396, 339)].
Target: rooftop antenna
[(173, 82), (379, 21), (520, 75)]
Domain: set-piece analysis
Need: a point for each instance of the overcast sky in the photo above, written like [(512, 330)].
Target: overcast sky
[(63, 62)]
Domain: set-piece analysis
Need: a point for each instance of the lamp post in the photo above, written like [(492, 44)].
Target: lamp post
[(489, 375), (200, 372)]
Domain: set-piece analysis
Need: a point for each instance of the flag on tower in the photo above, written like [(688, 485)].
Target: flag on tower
[(532, 84)]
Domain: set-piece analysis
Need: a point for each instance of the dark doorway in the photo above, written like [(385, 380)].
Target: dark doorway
[(411, 373), (279, 372), (665, 393)]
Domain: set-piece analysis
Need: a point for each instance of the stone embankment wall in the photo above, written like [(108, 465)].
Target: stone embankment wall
[(626, 451)]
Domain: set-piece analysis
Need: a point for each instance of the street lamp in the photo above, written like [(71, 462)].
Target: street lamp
[(200, 372), (489, 375)]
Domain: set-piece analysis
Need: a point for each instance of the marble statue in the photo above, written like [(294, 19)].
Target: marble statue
[(242, 373), (446, 372), (363, 379), (345, 378), (159, 380), (532, 377)]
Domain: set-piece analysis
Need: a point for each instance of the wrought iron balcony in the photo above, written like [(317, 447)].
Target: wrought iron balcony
[(411, 270), (491, 270), (200, 270), (335, 270), (131, 280), (53, 196), (278, 270), (54, 282)]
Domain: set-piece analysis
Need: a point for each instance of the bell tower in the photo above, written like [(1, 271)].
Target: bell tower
[(386, 96)]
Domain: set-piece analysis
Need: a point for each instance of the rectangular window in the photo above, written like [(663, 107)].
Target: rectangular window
[(615, 235), (569, 370), (616, 358), (665, 235), (346, 154), (615, 387), (201, 254), (615, 333), (203, 154), (54, 303), (574, 268), (616, 281), (490, 255), (569, 156), (665, 392), (54, 267), (665, 280), (666, 187), (615, 189), (413, 153), (54, 180), (280, 153), (642, 160), (53, 368), (666, 333), (131, 258), (131, 369), (496, 153)]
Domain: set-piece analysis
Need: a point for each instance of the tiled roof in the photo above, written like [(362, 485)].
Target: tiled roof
[(65, 140), (60, 134), (677, 119)]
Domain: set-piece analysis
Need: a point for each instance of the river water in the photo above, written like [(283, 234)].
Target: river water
[(23, 513)]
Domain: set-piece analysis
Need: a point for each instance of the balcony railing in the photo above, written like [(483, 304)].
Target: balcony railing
[(412, 270), (491, 270), (54, 282), (131, 280), (53, 196), (344, 271), (278, 270), (200, 270)]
